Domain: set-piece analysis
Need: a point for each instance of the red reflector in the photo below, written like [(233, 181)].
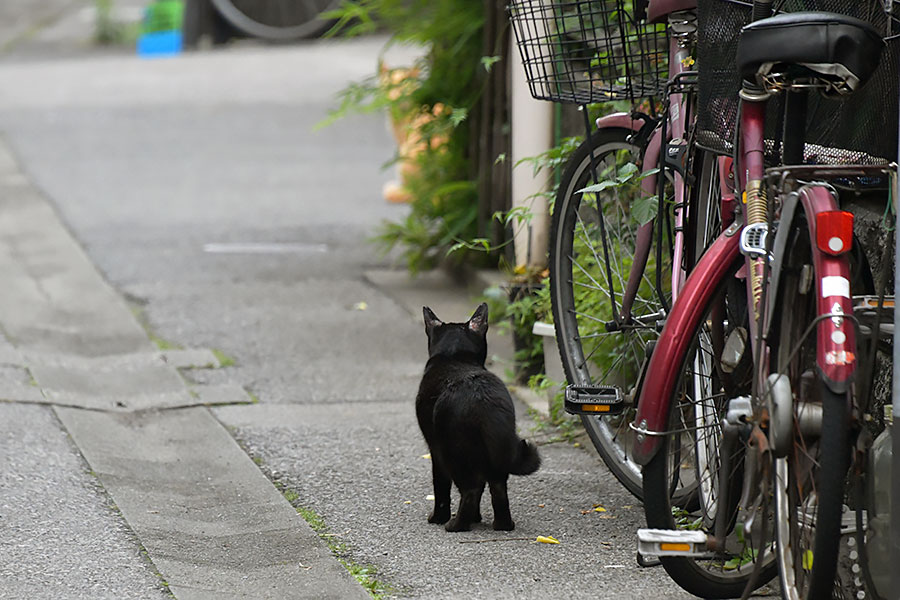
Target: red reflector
[(834, 231)]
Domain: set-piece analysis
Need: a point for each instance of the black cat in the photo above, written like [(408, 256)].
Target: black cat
[(469, 422)]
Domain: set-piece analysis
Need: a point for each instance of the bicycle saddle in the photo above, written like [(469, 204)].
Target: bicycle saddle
[(837, 50)]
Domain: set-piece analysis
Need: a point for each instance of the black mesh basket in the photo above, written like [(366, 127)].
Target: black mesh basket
[(589, 51), (858, 129)]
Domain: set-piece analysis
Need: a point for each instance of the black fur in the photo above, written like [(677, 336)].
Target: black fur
[(469, 422)]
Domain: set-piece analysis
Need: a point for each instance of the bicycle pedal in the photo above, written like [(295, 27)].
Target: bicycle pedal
[(753, 239), (672, 542), (594, 400), (867, 310)]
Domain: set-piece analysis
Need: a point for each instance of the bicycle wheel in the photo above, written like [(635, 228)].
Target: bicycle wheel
[(581, 296), (715, 368), (809, 480), (277, 20)]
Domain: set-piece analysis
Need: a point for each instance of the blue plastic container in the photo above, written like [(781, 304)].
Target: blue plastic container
[(159, 44)]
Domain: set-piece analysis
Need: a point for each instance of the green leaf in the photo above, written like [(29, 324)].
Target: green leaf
[(488, 61), (644, 209), (521, 214), (458, 116), (602, 186), (648, 173), (477, 244), (626, 172)]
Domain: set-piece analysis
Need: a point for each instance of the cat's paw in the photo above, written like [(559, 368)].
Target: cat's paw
[(458, 524), (504, 525), (439, 516)]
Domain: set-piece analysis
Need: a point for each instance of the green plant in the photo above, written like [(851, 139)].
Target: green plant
[(367, 576), (567, 425), (446, 84), (224, 359), (618, 192), (107, 30)]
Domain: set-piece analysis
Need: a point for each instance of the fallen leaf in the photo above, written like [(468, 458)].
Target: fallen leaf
[(598, 508), (360, 306), (429, 497), (540, 506), (426, 456), (408, 502), (546, 539)]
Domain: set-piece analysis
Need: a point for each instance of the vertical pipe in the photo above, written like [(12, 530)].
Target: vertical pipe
[(531, 134), (894, 593)]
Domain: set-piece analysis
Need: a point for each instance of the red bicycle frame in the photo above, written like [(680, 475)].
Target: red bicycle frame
[(676, 128), (836, 337)]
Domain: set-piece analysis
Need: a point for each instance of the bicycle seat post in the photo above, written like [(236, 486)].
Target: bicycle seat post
[(793, 139)]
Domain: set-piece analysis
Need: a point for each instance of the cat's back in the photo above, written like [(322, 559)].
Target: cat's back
[(459, 387)]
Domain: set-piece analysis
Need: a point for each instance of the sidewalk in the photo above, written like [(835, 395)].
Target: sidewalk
[(139, 189), (209, 521)]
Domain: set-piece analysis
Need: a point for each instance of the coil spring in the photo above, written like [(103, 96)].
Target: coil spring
[(757, 211)]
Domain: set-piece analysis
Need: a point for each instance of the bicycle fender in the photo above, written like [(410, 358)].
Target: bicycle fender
[(665, 362), (788, 207), (836, 336), (623, 120)]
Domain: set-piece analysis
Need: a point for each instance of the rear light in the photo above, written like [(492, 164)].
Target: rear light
[(834, 231)]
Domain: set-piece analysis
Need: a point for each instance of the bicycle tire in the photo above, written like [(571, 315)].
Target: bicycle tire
[(612, 436), (612, 147), (809, 481), (726, 574), (277, 20)]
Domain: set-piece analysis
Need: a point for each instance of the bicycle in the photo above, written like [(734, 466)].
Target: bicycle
[(761, 405), (277, 20), (609, 292)]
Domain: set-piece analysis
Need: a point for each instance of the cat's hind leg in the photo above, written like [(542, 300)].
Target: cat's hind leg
[(469, 510), (477, 517), (442, 484), (500, 501)]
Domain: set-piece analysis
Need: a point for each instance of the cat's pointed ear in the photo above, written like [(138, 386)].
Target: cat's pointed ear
[(431, 320), (478, 322)]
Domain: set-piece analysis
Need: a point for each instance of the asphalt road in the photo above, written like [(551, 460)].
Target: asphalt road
[(200, 190)]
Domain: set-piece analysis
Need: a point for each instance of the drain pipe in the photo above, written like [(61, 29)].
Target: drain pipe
[(531, 134), (894, 594)]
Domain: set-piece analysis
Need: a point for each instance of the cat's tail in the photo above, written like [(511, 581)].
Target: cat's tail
[(527, 459)]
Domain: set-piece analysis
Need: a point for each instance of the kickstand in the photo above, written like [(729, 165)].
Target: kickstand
[(646, 563)]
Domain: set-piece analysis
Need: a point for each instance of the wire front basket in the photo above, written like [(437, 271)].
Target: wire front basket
[(589, 51)]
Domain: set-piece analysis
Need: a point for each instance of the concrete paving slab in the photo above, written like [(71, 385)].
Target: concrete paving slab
[(54, 299), (10, 356), (191, 358), (66, 377), (216, 394), (14, 391), (20, 18), (210, 520), (120, 382), (60, 534)]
